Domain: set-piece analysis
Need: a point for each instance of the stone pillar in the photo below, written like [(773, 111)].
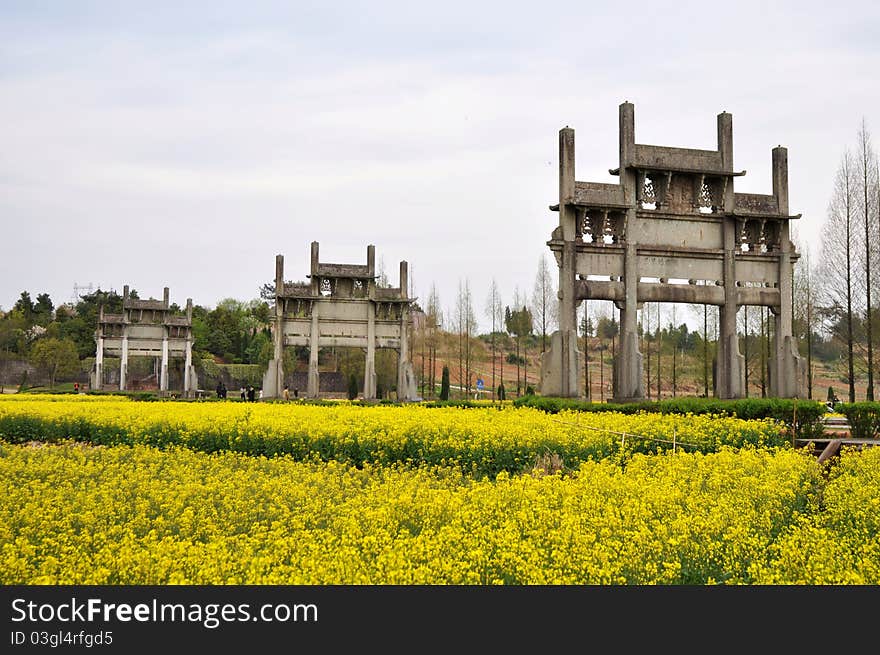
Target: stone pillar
[(406, 383), (314, 277), (730, 369), (123, 361), (190, 377), (725, 140), (370, 365), (788, 375), (314, 379), (627, 375), (627, 370), (371, 260), (98, 380), (188, 373), (273, 378), (730, 365), (163, 369), (780, 179), (560, 365)]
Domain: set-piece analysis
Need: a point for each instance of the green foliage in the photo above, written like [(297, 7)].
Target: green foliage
[(809, 412), (832, 397), (260, 349), (352, 387), (863, 418), (234, 330), (80, 325), (607, 328), (57, 356), (518, 321), (12, 332), (444, 384), (25, 306), (43, 310), (462, 404)]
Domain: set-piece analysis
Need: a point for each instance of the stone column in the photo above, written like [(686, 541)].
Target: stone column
[(730, 370), (187, 368), (370, 365), (725, 140), (314, 378), (123, 361), (730, 366), (788, 376), (163, 370), (405, 390), (273, 378), (559, 365), (627, 371), (99, 361)]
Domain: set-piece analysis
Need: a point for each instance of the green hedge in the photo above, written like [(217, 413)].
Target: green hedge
[(809, 412), (863, 418)]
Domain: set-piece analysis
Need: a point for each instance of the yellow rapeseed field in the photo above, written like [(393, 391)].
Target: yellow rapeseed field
[(479, 440), (81, 514), (104, 490)]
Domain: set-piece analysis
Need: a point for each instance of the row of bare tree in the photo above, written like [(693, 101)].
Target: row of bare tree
[(836, 295)]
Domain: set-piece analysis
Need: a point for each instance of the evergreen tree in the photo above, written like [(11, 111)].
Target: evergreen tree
[(444, 384)]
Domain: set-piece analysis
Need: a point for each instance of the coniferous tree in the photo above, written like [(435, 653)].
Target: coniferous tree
[(444, 384)]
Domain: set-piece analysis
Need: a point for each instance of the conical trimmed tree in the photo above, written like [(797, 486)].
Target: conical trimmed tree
[(444, 384)]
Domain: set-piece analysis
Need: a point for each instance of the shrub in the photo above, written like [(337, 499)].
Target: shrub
[(863, 418)]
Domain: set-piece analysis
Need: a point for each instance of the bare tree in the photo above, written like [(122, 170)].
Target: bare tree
[(803, 306), (745, 331), (707, 315), (659, 345), (435, 322), (519, 323), (544, 301), (867, 178), (646, 345), (495, 313), (839, 295), (459, 328), (587, 331), (470, 327), (465, 325)]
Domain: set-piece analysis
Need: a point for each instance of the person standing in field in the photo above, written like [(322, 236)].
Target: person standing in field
[(286, 393)]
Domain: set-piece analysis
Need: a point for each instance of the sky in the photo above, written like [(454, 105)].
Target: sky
[(186, 144)]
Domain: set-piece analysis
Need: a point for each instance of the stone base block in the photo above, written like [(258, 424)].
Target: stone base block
[(553, 382)]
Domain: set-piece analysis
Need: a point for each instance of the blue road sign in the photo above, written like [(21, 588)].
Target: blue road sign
[(480, 384)]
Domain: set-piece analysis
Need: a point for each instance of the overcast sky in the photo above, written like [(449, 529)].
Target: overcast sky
[(154, 144)]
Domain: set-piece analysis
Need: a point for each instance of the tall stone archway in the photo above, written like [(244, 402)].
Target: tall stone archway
[(672, 230)]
